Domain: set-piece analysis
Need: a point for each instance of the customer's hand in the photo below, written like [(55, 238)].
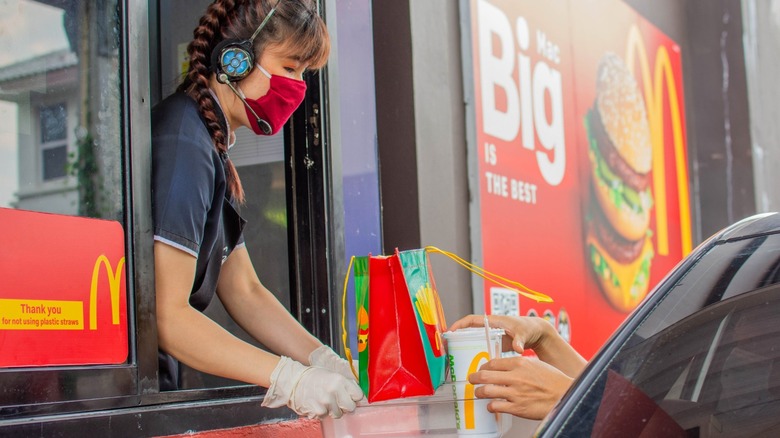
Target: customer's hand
[(531, 333), (522, 386), (520, 332), (311, 391), (325, 357)]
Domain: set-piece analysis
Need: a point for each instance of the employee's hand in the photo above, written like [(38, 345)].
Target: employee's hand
[(311, 391), (325, 357), (522, 386)]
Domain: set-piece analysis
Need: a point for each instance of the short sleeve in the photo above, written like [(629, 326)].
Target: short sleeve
[(183, 175)]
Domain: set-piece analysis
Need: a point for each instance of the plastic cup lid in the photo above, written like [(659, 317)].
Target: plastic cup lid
[(472, 333)]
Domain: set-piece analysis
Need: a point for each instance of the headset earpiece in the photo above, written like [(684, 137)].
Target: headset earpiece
[(233, 60)]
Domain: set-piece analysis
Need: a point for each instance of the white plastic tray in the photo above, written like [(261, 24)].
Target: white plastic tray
[(408, 417)]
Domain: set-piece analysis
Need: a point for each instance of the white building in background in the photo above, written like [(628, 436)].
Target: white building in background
[(45, 91)]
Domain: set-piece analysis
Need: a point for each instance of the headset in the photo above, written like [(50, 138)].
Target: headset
[(234, 59)]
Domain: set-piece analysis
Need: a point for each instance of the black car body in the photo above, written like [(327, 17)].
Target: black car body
[(700, 357)]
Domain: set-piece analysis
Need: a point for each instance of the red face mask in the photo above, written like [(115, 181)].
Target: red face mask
[(267, 114)]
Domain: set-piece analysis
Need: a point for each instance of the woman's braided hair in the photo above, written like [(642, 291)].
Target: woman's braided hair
[(295, 26)]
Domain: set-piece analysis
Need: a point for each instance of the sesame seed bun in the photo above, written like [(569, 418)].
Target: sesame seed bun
[(623, 113)]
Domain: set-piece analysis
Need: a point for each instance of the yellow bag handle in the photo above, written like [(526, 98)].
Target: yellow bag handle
[(495, 278), (347, 351)]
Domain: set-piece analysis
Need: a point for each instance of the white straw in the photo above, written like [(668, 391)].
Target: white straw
[(487, 338)]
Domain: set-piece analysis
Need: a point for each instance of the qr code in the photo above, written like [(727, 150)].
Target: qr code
[(504, 302)]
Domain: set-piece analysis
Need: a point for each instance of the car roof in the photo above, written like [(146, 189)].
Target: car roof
[(766, 223)]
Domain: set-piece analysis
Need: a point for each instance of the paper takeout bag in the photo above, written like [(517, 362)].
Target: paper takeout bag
[(400, 322)]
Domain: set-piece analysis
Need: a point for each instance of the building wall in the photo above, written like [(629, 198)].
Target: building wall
[(761, 38), (718, 117)]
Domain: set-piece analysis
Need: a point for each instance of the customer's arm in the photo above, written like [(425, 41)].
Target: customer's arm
[(531, 333)]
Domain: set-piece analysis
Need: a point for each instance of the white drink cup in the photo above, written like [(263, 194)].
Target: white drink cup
[(467, 350)]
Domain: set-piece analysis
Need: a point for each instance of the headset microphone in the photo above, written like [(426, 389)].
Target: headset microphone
[(265, 126), (234, 59)]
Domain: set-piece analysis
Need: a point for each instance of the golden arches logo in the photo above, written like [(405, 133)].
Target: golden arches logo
[(114, 283), (653, 90), (468, 403)]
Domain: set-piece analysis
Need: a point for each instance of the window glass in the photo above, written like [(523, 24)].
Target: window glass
[(706, 361), (54, 162), (61, 153), (54, 127), (60, 133), (356, 135), (54, 120)]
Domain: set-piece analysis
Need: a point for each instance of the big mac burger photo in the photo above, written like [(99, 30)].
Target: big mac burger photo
[(618, 237)]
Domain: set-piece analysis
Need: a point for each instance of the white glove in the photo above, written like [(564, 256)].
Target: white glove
[(325, 357), (311, 391)]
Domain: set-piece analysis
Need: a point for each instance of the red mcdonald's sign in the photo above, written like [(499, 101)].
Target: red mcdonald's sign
[(587, 204), (56, 307)]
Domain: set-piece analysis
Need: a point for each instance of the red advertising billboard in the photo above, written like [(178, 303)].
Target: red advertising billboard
[(63, 297), (581, 157)]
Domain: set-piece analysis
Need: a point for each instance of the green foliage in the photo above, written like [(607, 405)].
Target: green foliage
[(84, 166)]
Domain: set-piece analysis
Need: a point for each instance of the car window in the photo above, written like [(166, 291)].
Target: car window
[(705, 362)]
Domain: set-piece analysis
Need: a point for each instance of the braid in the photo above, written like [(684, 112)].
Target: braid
[(196, 83)]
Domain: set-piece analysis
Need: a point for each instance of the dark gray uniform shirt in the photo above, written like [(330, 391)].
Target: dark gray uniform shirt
[(190, 207)]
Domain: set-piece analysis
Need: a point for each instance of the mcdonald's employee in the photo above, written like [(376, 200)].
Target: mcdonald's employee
[(523, 386), (247, 58)]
